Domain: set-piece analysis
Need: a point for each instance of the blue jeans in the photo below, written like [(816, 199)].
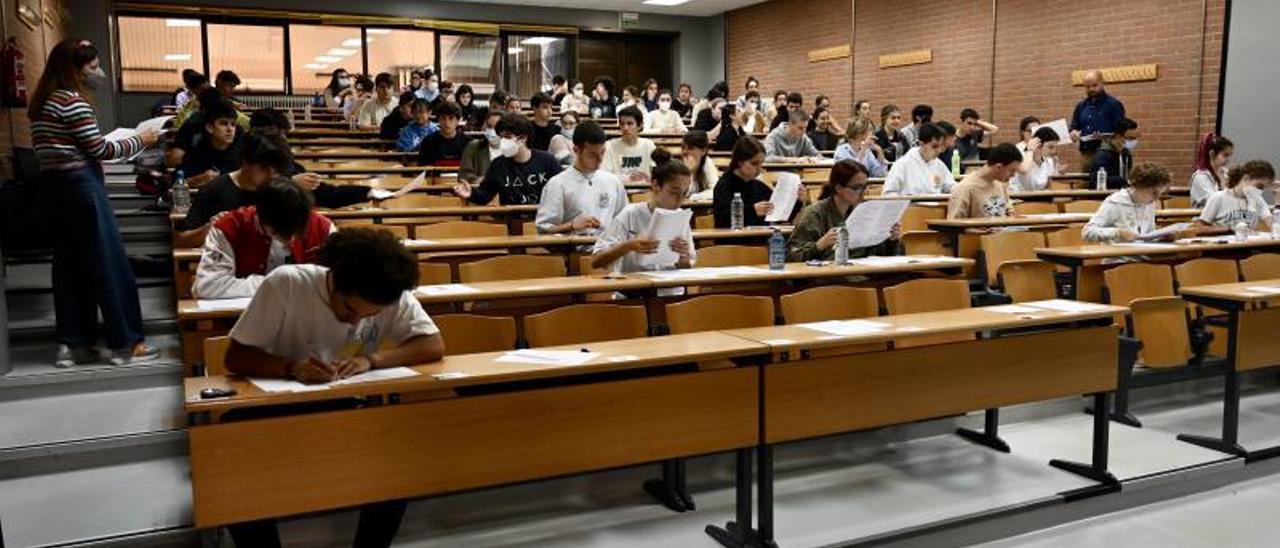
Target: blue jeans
[(90, 269)]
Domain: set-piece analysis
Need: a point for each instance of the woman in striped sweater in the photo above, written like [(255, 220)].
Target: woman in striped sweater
[(90, 269)]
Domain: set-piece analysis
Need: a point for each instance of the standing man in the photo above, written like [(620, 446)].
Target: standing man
[(1095, 118)]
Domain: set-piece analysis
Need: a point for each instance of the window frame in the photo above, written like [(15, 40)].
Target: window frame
[(505, 44)]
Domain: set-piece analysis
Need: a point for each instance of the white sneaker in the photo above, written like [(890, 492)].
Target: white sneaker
[(140, 353), (68, 357)]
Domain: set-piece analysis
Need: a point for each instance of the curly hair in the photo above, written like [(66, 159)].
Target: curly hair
[(369, 263)]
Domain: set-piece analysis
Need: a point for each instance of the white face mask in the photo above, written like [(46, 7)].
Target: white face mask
[(344, 82), (1131, 144), (567, 133), (95, 77), (578, 92), (508, 147), (492, 136), (432, 86), (664, 105)]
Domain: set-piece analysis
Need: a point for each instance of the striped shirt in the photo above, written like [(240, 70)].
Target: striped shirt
[(65, 135)]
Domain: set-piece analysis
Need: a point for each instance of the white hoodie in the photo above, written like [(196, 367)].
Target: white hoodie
[(1119, 212), (911, 175)]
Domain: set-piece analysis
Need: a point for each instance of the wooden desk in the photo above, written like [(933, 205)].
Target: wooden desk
[(1038, 195), (799, 271), (686, 395), (352, 153), (1252, 323), (852, 387), (363, 142)]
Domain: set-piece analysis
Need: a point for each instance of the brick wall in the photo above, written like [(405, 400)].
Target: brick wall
[(1036, 46)]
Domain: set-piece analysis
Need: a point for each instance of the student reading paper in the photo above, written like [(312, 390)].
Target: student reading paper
[(1039, 161), (243, 246), (814, 237), (1129, 213), (982, 193), (326, 322), (742, 178), (1241, 201), (627, 246)]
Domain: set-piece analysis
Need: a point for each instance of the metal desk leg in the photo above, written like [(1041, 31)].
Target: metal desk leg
[(1097, 470), (990, 434), (738, 533), (1228, 443)]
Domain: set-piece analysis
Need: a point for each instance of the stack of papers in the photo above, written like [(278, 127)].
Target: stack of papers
[(1062, 305), (123, 133), (872, 221), (547, 357), (1011, 309), (846, 328), (1162, 233), (276, 386), (445, 289), (223, 304), (886, 261), (785, 193), (704, 273)]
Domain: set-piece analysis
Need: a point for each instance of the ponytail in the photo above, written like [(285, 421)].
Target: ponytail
[(665, 168), (1211, 145)]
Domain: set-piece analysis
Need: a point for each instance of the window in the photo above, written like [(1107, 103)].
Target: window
[(470, 60), (532, 61), (154, 51), (254, 52), (317, 51), (399, 52)]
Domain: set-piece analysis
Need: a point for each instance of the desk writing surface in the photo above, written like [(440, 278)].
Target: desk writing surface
[(436, 244), (341, 142), (1238, 292), (482, 369), (1045, 219), (452, 211), (795, 271), (1106, 251), (538, 287)]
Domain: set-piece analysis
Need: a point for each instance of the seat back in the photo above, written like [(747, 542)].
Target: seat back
[(1177, 202), (415, 200), (1138, 281), (215, 355), (1036, 208), (917, 217), (1161, 324), (925, 242), (927, 295), (732, 255), (1002, 247), (1026, 281), (1206, 271), (511, 267), (459, 229), (399, 231), (714, 312), (585, 323), (831, 302), (1081, 206), (1263, 266), (434, 273), (1071, 236), (471, 333)]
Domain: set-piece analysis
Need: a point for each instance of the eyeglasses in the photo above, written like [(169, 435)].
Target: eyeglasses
[(857, 188)]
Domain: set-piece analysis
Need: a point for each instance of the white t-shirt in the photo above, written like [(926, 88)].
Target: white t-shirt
[(911, 175), (1039, 176), (1202, 187), (664, 122), (1225, 208), (570, 194), (622, 159), (632, 222), (290, 317), (372, 111)]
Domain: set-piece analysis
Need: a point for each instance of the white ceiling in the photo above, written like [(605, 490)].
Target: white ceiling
[(698, 8)]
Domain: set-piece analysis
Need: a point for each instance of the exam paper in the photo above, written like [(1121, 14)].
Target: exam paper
[(384, 194), (547, 357), (872, 221), (1012, 309), (785, 192), (285, 385), (223, 304), (1264, 289), (1059, 126), (445, 289), (846, 327), (1161, 233), (122, 133), (1062, 305), (666, 225), (414, 241)]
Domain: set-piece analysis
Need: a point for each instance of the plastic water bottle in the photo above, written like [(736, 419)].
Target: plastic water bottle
[(306, 112), (955, 163), (1275, 223), (1102, 178), (842, 245), (181, 194), (736, 219), (351, 124), (1242, 231), (777, 250)]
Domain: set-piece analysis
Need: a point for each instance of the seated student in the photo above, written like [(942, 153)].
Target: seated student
[(683, 105), (626, 247), (982, 193), (576, 100), (1026, 131), (719, 90), (269, 121), (1211, 162), (920, 116), (479, 152), (1116, 155), (444, 147), (1242, 201), (193, 130), (628, 156), (544, 126), (730, 128), (363, 93), (498, 101), (788, 142), (562, 144), (948, 145), (889, 137), (919, 171), (192, 82), (513, 104), (265, 158), (741, 178), (794, 102), (1130, 212), (246, 244), (472, 114), (753, 114), (582, 199), (649, 96), (398, 119), (664, 119), (219, 152), (603, 104), (814, 237), (631, 98), (317, 323), (860, 146), (378, 108), (518, 176), (1039, 161), (695, 148), (821, 103), (419, 128), (824, 133), (973, 129)]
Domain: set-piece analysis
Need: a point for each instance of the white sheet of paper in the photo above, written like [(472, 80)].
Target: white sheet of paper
[(547, 357), (846, 327), (876, 260), (1064, 132), (445, 289), (1053, 215), (872, 221), (156, 123), (373, 375), (1012, 309), (284, 385), (1141, 245), (380, 194), (276, 386), (1264, 289), (1160, 233), (120, 134), (666, 225), (223, 304), (785, 192), (413, 241), (1062, 305)]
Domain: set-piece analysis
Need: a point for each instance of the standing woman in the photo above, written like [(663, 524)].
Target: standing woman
[(90, 269)]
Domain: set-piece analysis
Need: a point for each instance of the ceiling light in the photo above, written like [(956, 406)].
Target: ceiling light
[(352, 42), (327, 59), (314, 66), (664, 2), (377, 31), (541, 41), (513, 51), (339, 52), (177, 57), (181, 22)]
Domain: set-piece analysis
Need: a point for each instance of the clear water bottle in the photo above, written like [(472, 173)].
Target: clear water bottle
[(955, 163), (842, 245), (1102, 178), (1275, 223), (306, 112), (1242, 231), (181, 194), (736, 218), (351, 124), (777, 250)]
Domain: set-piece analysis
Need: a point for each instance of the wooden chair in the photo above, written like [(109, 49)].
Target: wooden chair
[(585, 323), (511, 267), (1263, 266), (704, 222), (1161, 324), (1152, 283), (459, 229), (1029, 280), (732, 255), (215, 355), (1207, 271), (1036, 208), (1081, 206), (831, 302), (928, 295), (917, 217), (1128, 282), (471, 333), (713, 312), (434, 274), (925, 242), (415, 200), (399, 231), (1002, 247), (1177, 202), (1073, 235)]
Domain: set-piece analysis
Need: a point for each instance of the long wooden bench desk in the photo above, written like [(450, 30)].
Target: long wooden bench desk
[(1075, 257), (468, 422), (1253, 320), (819, 384), (352, 153), (325, 142)]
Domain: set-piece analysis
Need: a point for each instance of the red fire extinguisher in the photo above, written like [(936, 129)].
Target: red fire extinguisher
[(13, 78)]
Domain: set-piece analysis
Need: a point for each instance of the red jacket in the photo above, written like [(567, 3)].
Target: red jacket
[(252, 246)]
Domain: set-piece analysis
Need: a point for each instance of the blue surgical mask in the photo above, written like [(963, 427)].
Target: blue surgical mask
[(1131, 144), (567, 133), (491, 135)]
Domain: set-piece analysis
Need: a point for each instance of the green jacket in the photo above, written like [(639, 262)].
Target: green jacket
[(813, 223)]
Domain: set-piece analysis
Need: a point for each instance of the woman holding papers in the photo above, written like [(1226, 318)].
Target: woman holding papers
[(1241, 201), (814, 238), (1130, 213), (628, 244), (90, 269), (742, 178)]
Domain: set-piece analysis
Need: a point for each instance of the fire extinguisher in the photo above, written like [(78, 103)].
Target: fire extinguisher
[(13, 79)]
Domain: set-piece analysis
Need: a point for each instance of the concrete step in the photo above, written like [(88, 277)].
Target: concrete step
[(34, 310)]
